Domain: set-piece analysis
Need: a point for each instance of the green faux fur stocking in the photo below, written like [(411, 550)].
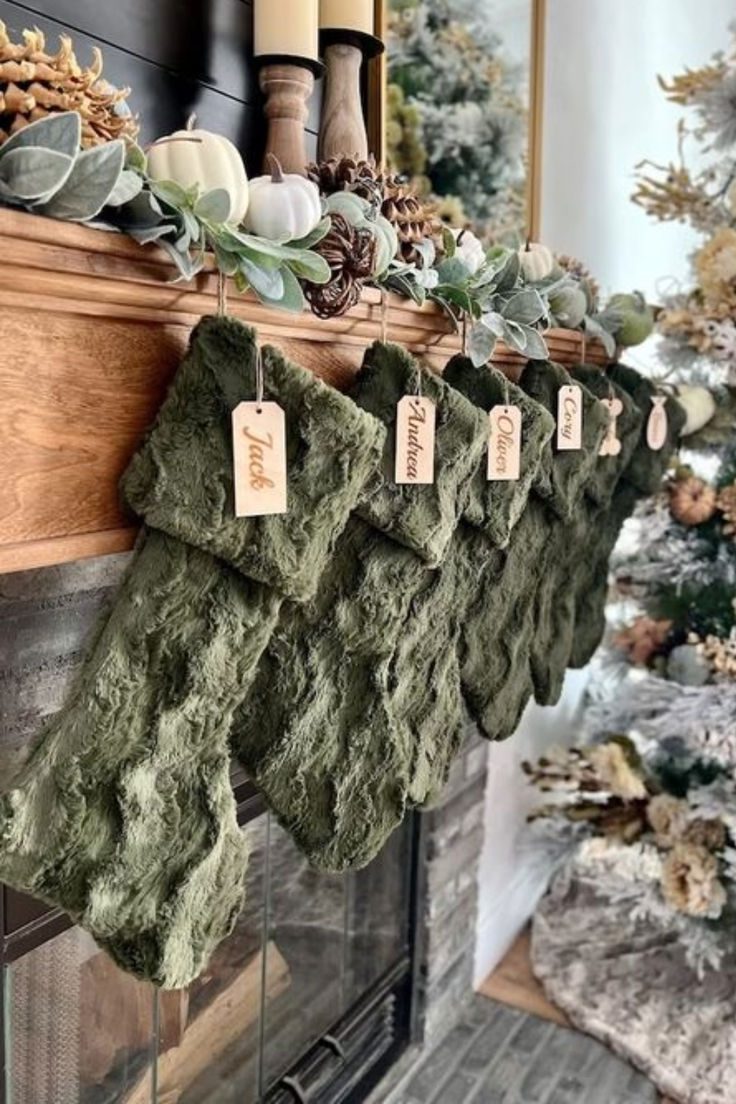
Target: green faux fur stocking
[(355, 712), (494, 555), (638, 472), (570, 473), (124, 815)]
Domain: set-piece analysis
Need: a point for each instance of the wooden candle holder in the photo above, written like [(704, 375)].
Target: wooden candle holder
[(287, 84), (342, 129)]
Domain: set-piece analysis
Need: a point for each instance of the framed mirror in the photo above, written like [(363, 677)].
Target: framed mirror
[(455, 105)]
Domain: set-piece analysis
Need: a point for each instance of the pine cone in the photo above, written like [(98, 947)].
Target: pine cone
[(726, 503), (692, 501), (34, 84), (351, 254), (414, 218)]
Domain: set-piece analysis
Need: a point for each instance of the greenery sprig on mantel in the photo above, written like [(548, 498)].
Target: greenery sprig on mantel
[(44, 169)]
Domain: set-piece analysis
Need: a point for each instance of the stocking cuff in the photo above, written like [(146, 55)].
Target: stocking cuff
[(564, 475), (647, 468), (181, 480), (495, 506), (421, 517)]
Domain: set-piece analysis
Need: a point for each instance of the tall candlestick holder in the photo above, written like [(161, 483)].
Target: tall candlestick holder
[(343, 131), (287, 83)]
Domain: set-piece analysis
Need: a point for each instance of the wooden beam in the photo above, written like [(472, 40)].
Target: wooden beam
[(93, 330)]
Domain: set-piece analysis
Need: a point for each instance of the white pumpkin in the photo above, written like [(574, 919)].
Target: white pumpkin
[(198, 157), (537, 261), (699, 406), (283, 206), (469, 249)]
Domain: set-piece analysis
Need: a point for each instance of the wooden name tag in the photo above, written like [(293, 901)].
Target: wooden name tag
[(415, 425), (569, 418), (259, 457), (657, 424), (504, 443), (611, 445)]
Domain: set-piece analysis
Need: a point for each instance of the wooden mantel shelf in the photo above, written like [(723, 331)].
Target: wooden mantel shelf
[(92, 331)]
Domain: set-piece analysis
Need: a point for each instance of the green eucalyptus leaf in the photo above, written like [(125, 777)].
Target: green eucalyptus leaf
[(148, 234), (515, 335), (536, 346), (191, 225), (214, 206), (129, 185), (187, 265), (507, 274), (267, 283), (140, 213), (525, 306), (61, 133), (34, 175), (455, 295), (595, 328), (321, 229), (292, 299), (310, 266), (90, 183), (168, 191), (228, 263), (453, 270), (449, 243), (494, 322), (481, 343), (407, 286), (135, 158)]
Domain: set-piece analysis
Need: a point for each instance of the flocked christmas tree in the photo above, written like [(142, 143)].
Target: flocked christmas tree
[(456, 117)]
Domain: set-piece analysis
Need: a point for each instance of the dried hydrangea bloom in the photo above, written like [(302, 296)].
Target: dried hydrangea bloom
[(690, 882)]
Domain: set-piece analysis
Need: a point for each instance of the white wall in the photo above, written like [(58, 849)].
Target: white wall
[(508, 888), (604, 112)]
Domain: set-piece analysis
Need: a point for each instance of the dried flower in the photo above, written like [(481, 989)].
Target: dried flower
[(717, 103), (726, 503), (690, 882), (720, 654), (667, 817), (643, 639), (715, 264), (710, 834), (615, 771)]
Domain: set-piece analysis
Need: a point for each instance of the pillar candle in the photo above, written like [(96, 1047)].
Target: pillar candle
[(286, 27), (352, 15)]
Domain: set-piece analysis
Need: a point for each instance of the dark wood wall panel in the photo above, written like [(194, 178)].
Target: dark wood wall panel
[(178, 56)]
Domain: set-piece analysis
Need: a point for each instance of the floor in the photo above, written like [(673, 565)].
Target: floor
[(525, 1054)]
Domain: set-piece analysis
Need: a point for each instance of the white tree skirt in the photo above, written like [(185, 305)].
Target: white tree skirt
[(624, 979)]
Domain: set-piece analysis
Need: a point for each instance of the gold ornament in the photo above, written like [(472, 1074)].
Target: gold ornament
[(34, 84), (692, 501)]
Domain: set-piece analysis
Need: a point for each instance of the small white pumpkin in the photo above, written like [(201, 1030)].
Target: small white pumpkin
[(198, 157), (699, 406), (469, 249), (283, 206), (537, 261)]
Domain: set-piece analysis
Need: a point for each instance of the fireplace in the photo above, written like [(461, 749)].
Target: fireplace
[(321, 986)]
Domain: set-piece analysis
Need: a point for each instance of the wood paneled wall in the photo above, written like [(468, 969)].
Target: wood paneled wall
[(178, 56)]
